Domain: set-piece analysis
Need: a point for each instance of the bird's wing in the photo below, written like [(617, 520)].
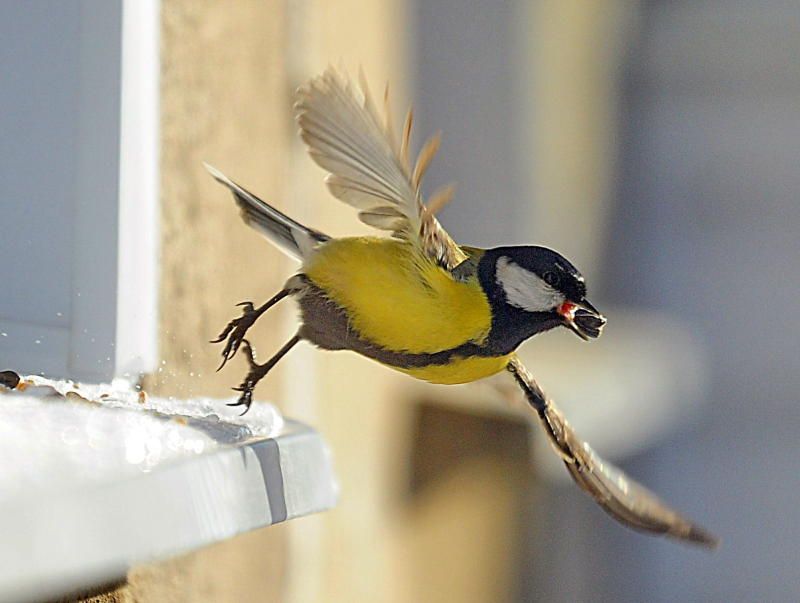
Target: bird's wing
[(620, 496), (369, 168)]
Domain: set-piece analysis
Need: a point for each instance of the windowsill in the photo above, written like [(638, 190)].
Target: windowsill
[(89, 488)]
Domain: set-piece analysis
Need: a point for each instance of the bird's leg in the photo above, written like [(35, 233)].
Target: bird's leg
[(258, 371), (237, 328)]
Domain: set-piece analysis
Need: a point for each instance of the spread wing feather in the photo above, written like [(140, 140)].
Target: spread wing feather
[(621, 497), (368, 168)]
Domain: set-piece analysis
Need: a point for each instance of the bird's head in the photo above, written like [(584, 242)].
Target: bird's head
[(534, 289)]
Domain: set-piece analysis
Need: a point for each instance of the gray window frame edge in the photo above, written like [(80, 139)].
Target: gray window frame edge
[(112, 320)]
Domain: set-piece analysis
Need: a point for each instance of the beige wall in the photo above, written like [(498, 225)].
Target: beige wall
[(346, 555), (225, 100), (229, 70)]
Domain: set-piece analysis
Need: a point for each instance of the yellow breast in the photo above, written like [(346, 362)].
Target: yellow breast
[(460, 370), (399, 300)]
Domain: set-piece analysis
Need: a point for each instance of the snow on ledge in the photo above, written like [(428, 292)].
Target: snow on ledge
[(58, 433)]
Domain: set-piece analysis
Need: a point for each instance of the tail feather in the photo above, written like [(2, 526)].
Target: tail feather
[(291, 237)]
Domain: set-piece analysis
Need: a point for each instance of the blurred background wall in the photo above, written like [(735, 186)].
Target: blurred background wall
[(707, 223), (655, 143)]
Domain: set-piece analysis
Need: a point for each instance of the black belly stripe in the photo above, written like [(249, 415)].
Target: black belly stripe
[(409, 360), (326, 325)]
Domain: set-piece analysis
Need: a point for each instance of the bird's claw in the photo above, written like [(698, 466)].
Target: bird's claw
[(248, 385), (246, 399), (235, 331)]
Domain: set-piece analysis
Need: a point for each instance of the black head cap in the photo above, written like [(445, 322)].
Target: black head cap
[(550, 266)]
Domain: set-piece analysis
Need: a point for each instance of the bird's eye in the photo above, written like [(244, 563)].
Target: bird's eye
[(551, 278)]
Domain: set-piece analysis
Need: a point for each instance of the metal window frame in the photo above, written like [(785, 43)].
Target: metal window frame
[(111, 326)]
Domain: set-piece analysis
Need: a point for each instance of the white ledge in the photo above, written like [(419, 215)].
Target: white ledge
[(88, 489)]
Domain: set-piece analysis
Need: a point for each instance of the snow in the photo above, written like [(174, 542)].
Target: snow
[(59, 434)]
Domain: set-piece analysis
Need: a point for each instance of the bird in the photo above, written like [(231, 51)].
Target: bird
[(416, 301)]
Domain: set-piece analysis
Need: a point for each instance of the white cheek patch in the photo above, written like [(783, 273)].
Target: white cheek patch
[(526, 290)]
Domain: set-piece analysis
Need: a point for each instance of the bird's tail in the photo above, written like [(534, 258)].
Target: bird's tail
[(291, 237)]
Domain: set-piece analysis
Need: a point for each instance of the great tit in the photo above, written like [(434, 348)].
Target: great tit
[(416, 301)]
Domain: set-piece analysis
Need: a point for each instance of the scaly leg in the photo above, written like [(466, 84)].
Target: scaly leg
[(237, 328), (258, 371)]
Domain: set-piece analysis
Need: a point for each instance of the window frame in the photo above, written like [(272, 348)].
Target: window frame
[(110, 324)]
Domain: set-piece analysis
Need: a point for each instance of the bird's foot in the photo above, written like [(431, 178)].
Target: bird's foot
[(257, 372), (235, 331)]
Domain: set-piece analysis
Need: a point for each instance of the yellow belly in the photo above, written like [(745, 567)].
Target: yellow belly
[(460, 370), (397, 299)]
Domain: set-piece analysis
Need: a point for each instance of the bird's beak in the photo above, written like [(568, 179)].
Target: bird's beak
[(582, 318)]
